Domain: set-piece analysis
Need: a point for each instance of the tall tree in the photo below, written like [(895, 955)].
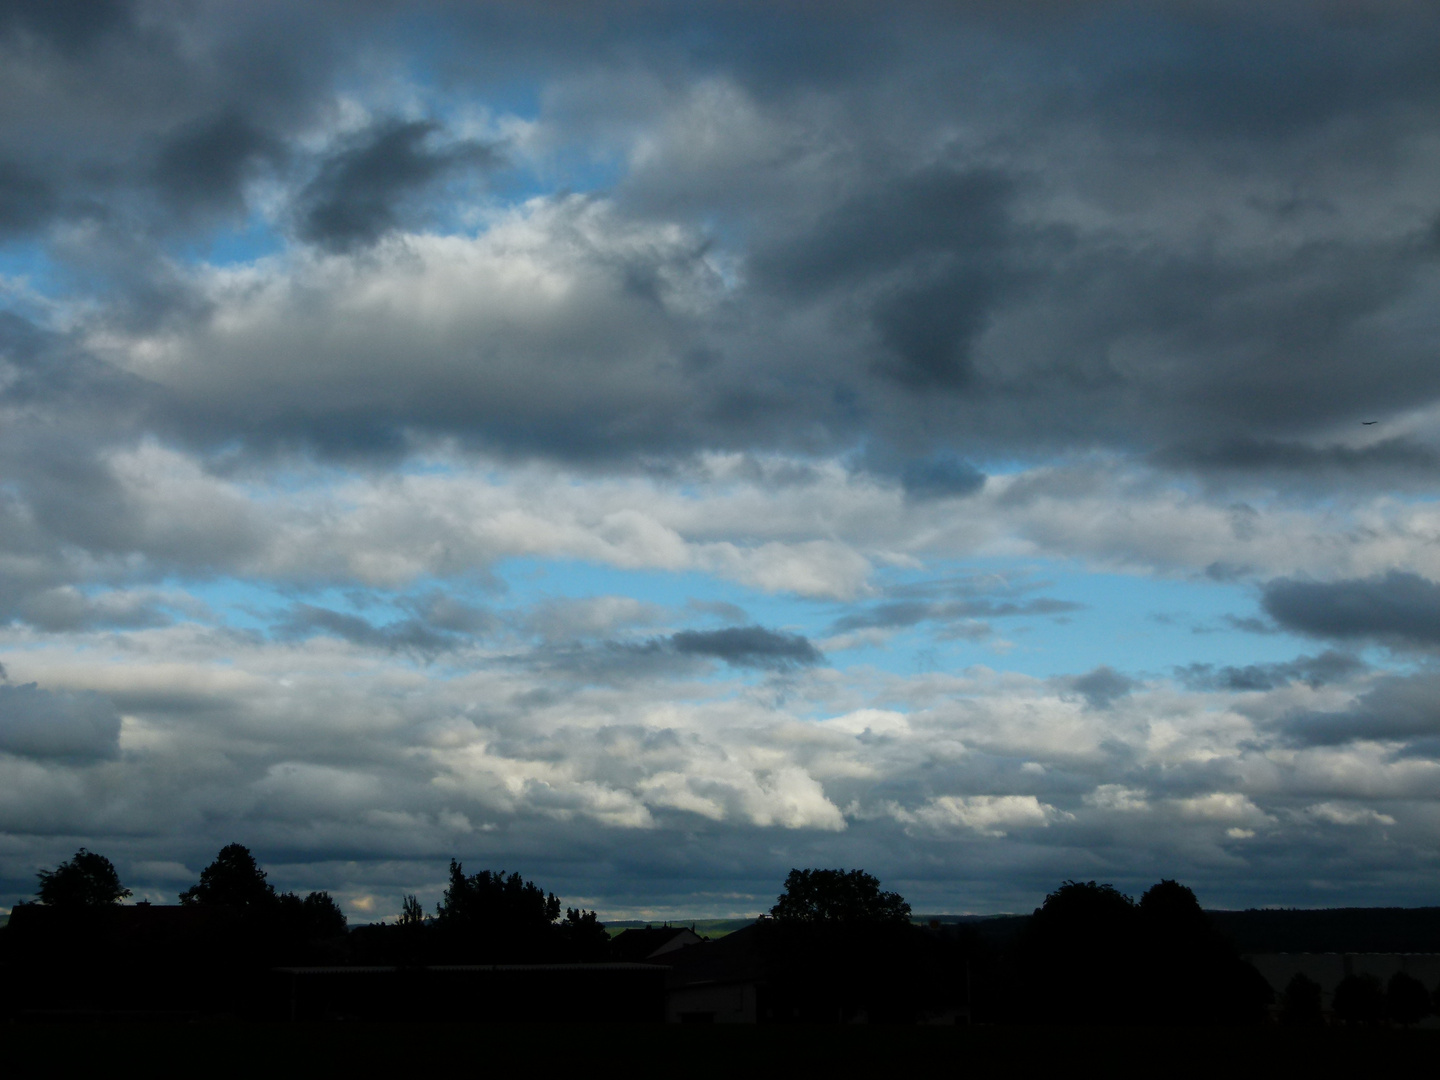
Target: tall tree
[(87, 880), (232, 880), (1359, 999), (1406, 999), (1300, 1005), (837, 896), (490, 897), (491, 916)]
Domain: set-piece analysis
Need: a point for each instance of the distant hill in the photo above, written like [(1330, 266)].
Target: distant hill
[(1382, 930), (711, 928), (1379, 930)]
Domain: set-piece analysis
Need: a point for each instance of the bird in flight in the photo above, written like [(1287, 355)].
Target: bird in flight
[(1367, 423)]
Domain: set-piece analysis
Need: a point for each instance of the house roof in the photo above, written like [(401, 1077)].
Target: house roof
[(642, 944)]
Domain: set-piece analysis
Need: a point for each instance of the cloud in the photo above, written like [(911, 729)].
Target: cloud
[(69, 26), (353, 200), (929, 246), (1314, 671), (989, 815), (1394, 455), (1341, 814), (206, 162), (940, 478), (1102, 687), (66, 608), (402, 635), (27, 201), (1396, 708), (1399, 607), (747, 646), (69, 725), (900, 613), (339, 321)]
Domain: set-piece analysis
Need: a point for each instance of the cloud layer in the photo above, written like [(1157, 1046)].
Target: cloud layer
[(665, 447)]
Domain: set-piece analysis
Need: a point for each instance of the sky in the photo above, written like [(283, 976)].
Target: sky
[(651, 446)]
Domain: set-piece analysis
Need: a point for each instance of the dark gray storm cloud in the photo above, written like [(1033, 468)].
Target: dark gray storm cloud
[(1398, 608), (68, 26), (413, 635), (72, 725), (915, 273), (1397, 457), (355, 197), (747, 646), (66, 609), (930, 251), (27, 200), (1102, 687), (204, 164), (940, 478), (1327, 667), (901, 613), (1399, 708)]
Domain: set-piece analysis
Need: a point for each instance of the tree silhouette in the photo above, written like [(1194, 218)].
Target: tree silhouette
[(1191, 974), (1082, 961), (490, 897), (491, 916), (584, 936), (1300, 1004), (316, 916), (411, 911), (1172, 909), (232, 880), (837, 896), (838, 947), (1406, 999), (1359, 999), (87, 880)]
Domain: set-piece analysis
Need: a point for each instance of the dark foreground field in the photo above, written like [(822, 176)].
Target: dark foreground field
[(35, 1049)]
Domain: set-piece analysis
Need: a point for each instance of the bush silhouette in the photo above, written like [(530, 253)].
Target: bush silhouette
[(1406, 999), (1359, 999), (1300, 1004)]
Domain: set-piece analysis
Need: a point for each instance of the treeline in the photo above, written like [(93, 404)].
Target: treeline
[(834, 947), (1092, 955), (1089, 955), (485, 917)]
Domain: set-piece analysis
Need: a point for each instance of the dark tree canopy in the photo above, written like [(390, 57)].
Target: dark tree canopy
[(1095, 956), (412, 913), (1300, 1004), (316, 916), (837, 896), (1406, 999), (87, 880), (1172, 909), (1359, 999), (490, 898), (232, 880), (1091, 906)]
